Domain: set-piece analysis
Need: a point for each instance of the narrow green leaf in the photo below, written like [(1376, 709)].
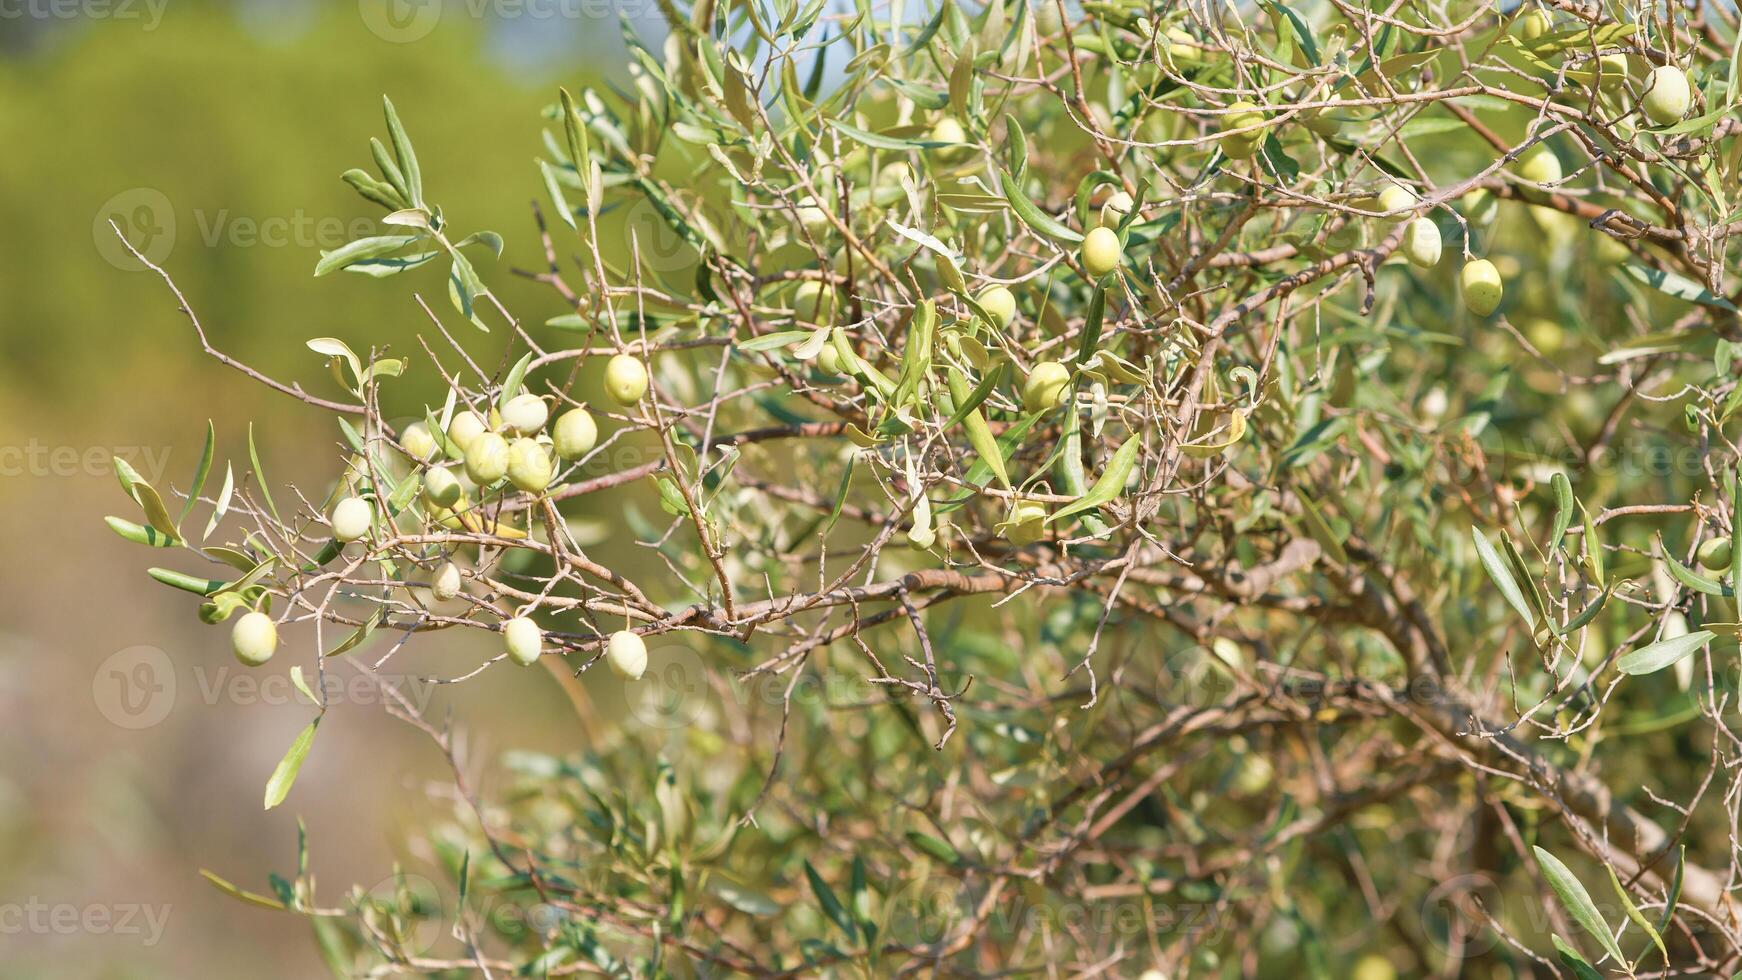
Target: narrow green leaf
[(1111, 483), (260, 475), (284, 776), (1502, 578), (1577, 901), (1563, 514), (1632, 911), (403, 154), (1656, 656), (831, 905), (201, 471), (1031, 215)]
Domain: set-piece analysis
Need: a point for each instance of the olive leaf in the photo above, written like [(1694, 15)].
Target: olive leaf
[(1501, 576), (1656, 656), (1111, 483), (1577, 901), (284, 776)]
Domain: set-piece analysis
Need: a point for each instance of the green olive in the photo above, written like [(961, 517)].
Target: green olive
[(525, 414), (816, 302), (1666, 96), (441, 488), (447, 582), (627, 654), (1534, 24), (1027, 523), (1397, 202), (1482, 286), (529, 466), (1421, 243), (418, 442), (487, 459), (1116, 208), (465, 427), (1048, 386), (575, 434), (1715, 554), (1101, 252), (1539, 165), (625, 380), (351, 518), (813, 218), (1242, 115), (1000, 302), (829, 360), (254, 638), (523, 640)]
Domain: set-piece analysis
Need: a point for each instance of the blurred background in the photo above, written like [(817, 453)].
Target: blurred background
[(135, 750)]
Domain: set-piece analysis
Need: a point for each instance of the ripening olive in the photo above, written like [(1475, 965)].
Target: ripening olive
[(1715, 554), (1421, 243), (1027, 523), (625, 380), (523, 640), (487, 459), (815, 302), (1101, 252), (525, 414), (1534, 24), (1397, 201), (465, 427), (418, 442), (829, 360), (1000, 302), (575, 434), (1482, 286), (1047, 387), (627, 654), (441, 488), (529, 466), (1116, 208), (1539, 165), (447, 582), (352, 518), (254, 638), (813, 218), (1242, 115), (1666, 95)]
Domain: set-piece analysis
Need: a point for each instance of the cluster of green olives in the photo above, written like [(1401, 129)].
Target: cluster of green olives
[(510, 445)]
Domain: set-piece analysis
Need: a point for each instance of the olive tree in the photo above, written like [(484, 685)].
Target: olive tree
[(1190, 490)]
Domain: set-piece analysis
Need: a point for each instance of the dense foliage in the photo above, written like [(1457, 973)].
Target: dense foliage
[(1226, 491)]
